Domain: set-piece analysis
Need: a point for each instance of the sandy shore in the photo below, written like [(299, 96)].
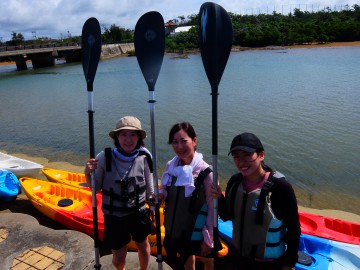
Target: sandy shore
[(298, 46), (79, 169)]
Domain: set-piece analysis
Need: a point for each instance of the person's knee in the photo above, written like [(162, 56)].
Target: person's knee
[(190, 262), (119, 257), (143, 246)]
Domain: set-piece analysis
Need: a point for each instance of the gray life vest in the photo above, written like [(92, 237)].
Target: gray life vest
[(185, 217), (123, 196), (257, 233)]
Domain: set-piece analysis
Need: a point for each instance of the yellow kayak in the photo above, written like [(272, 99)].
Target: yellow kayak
[(65, 177)]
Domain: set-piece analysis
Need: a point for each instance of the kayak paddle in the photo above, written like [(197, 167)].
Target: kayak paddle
[(149, 40), (215, 37), (90, 56)]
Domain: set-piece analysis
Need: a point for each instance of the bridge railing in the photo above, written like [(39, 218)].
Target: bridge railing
[(36, 46)]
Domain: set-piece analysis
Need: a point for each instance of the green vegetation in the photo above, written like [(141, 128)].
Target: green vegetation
[(115, 34), (299, 27)]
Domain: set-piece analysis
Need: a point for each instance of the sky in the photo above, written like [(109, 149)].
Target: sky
[(63, 18)]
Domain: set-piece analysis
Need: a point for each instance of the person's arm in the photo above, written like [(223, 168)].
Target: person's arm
[(209, 224), (162, 188), (96, 166), (284, 205), (224, 212), (149, 181)]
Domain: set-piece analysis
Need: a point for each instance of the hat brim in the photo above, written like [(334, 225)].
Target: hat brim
[(112, 133), (242, 148)]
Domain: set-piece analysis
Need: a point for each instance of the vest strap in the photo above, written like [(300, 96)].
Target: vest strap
[(108, 158), (198, 182), (259, 217)]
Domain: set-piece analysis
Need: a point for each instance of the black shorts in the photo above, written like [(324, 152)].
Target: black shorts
[(120, 230), (185, 248), (249, 264)]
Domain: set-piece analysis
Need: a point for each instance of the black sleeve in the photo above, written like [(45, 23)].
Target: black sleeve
[(223, 211), (284, 205)]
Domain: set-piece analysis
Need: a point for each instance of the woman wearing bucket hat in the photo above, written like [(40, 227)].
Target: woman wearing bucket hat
[(263, 209), (189, 208), (124, 175)]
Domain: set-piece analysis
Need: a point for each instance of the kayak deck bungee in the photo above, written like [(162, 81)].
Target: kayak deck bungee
[(9, 186), (72, 207), (324, 253), (330, 228)]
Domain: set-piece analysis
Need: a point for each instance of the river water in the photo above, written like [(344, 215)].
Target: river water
[(302, 103)]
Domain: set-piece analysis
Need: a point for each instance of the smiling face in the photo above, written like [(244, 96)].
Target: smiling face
[(249, 164), (128, 139), (184, 146)]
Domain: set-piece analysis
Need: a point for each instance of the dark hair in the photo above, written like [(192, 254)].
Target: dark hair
[(265, 167), (185, 126), (140, 141)]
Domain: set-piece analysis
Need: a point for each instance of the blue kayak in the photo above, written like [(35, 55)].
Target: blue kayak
[(314, 252), (9, 186)]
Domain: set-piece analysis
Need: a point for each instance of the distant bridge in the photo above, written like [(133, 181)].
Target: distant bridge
[(41, 55), (45, 55)]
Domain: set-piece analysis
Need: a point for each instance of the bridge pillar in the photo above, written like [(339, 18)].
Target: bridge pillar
[(20, 62), (41, 60), (72, 56)]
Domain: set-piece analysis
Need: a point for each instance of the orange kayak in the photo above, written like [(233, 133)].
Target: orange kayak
[(68, 205)]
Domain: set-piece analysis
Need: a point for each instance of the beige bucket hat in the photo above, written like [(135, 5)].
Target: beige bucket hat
[(128, 122)]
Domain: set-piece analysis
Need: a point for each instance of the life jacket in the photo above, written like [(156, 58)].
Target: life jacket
[(185, 217), (121, 196), (257, 233)]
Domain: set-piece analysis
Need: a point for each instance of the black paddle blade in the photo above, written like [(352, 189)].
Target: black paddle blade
[(90, 50), (216, 36), (149, 39)]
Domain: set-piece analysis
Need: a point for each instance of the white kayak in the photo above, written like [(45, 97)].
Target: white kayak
[(19, 167)]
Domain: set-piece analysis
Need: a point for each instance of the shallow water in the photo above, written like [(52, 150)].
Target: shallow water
[(303, 104)]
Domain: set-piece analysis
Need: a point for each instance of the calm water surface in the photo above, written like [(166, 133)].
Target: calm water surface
[(303, 104)]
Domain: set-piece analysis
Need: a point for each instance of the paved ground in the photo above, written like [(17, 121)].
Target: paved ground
[(31, 241)]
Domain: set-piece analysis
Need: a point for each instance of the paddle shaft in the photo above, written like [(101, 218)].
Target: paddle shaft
[(215, 45), (214, 96), (93, 185), (149, 40), (90, 56), (155, 177)]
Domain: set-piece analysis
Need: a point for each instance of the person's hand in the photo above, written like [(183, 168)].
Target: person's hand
[(91, 165), (205, 249), (153, 226), (161, 199), (153, 223), (216, 191)]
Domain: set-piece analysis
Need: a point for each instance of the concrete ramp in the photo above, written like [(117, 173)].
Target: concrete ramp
[(25, 244)]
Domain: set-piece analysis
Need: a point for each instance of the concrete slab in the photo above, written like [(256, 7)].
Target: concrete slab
[(23, 229), (28, 245), (25, 234)]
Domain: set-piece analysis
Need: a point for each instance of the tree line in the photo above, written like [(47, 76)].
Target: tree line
[(298, 27)]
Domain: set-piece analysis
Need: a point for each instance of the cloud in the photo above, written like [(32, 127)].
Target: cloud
[(53, 18)]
